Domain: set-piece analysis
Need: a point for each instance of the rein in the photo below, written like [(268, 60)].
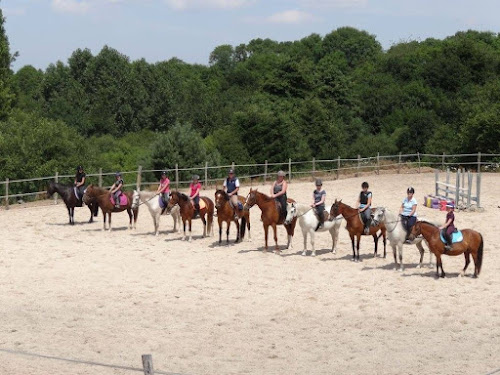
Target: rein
[(141, 203)]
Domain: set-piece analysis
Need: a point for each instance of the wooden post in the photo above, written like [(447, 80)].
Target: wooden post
[(478, 189), (457, 188), (359, 164), (378, 162), (313, 167), (232, 167), (265, 171), (206, 174), (478, 162), (100, 177), (176, 176), (442, 162), (139, 178), (399, 163), (418, 155), (462, 171), (436, 179), (6, 193), (289, 169), (57, 180), (147, 364), (469, 188), (338, 167), (447, 180)]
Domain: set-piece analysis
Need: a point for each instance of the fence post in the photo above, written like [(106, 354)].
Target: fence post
[(100, 177), (478, 189), (359, 163), (6, 193), (436, 179), (338, 167), (469, 188), (378, 162), (176, 176), (478, 162), (442, 162), (447, 180), (57, 180), (265, 171), (147, 364), (418, 155), (313, 167), (399, 163), (206, 174), (457, 188), (289, 169), (139, 178)]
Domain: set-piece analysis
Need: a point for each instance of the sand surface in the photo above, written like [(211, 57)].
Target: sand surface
[(199, 308)]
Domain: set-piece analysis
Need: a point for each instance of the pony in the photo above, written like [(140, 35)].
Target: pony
[(270, 216), (355, 227), (67, 193), (103, 198), (187, 212), (396, 234), (308, 222), (472, 244), (152, 202), (225, 213)]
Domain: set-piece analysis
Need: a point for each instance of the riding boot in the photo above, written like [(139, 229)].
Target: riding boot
[(320, 225), (196, 210), (367, 227)]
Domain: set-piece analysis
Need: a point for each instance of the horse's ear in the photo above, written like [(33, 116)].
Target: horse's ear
[(340, 201)]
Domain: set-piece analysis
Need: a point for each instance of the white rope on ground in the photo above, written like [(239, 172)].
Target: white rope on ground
[(84, 362)]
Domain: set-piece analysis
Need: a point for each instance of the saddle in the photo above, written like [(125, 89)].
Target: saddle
[(79, 198), (362, 218), (122, 198), (326, 215), (456, 236)]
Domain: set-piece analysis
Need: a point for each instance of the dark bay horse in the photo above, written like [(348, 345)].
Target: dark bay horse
[(67, 193), (225, 213), (355, 227), (187, 212), (270, 216), (102, 196), (471, 244)]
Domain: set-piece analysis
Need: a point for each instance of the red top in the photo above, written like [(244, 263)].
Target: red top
[(194, 188), (165, 185)]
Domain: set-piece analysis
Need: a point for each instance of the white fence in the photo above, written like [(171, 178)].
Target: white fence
[(335, 168)]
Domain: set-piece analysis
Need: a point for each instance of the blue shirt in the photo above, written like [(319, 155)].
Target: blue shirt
[(408, 206)]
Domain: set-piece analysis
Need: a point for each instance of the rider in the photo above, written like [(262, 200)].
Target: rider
[(194, 194), (449, 226), (318, 204), (164, 188), (116, 189), (278, 192), (364, 205), (80, 181), (231, 187), (408, 211)]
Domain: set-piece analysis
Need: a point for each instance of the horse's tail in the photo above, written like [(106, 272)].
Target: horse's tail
[(480, 254), (243, 227)]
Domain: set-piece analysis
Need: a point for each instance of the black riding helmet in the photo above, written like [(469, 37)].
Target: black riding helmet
[(78, 168), (410, 190), (164, 173)]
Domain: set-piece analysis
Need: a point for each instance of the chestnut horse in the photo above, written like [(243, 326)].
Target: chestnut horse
[(355, 227), (225, 213), (471, 244), (103, 200), (270, 216), (187, 212), (67, 193)]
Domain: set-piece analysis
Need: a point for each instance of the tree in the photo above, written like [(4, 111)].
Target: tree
[(6, 96)]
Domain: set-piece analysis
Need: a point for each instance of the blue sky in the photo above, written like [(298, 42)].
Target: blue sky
[(44, 31)]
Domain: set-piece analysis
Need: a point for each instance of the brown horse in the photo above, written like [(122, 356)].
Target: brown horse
[(225, 213), (103, 200), (270, 216), (187, 212), (471, 244), (355, 227)]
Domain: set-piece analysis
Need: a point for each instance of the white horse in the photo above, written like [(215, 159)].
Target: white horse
[(396, 234), (151, 200), (308, 223)]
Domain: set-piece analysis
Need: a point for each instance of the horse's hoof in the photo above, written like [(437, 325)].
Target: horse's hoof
[(313, 254), (304, 253), (418, 266)]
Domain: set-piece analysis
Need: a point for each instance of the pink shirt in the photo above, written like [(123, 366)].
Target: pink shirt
[(194, 188), (165, 185)]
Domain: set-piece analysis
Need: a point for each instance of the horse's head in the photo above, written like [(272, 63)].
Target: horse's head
[(416, 231), (51, 189), (221, 198), (336, 209), (291, 212), (174, 199), (136, 198), (88, 194), (378, 216), (251, 199)]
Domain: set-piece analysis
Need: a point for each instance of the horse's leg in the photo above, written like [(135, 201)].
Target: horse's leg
[(357, 247), (421, 249), (190, 232), (69, 215), (353, 249), (266, 230), (312, 232), (204, 225), (394, 253), (130, 214), (384, 238), (237, 222), (109, 221), (104, 214), (335, 239), (467, 261), (72, 215), (228, 224), (248, 228), (400, 248), (136, 214), (156, 221), (375, 239), (184, 228), (304, 235), (219, 220), (439, 265), (276, 247)]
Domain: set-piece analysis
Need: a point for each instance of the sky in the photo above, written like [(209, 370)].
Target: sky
[(45, 31)]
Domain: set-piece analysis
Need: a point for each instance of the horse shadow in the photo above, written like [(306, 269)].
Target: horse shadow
[(270, 250), (362, 257), (432, 274), (68, 224), (391, 266), (113, 229)]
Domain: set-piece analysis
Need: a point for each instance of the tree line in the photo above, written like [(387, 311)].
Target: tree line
[(322, 96)]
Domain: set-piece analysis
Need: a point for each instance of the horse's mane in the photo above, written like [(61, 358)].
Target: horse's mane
[(266, 197), (182, 196), (220, 191), (428, 222)]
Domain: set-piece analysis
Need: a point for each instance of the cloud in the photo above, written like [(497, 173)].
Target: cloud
[(70, 6), (290, 17), (334, 3), (204, 4)]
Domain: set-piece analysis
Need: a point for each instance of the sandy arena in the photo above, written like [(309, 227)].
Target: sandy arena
[(83, 294)]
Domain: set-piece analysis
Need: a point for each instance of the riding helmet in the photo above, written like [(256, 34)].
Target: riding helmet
[(79, 167), (231, 171), (281, 174), (164, 173), (410, 190), (319, 182), (118, 174)]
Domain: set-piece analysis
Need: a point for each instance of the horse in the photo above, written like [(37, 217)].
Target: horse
[(396, 234), (225, 213), (103, 198), (152, 202), (308, 222), (355, 227), (67, 193), (187, 212), (270, 216), (472, 243)]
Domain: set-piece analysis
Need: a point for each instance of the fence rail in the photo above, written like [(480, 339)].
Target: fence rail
[(180, 176)]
